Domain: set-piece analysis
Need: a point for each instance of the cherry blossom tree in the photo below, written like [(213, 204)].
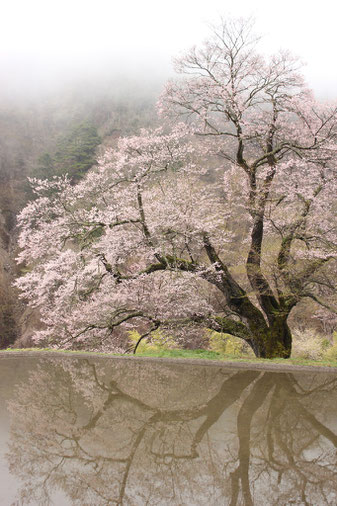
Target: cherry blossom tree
[(149, 239)]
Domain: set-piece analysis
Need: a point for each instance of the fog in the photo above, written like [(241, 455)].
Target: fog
[(45, 45)]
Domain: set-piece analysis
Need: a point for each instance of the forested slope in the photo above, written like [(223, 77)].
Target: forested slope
[(62, 131)]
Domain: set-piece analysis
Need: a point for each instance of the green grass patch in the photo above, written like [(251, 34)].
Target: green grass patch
[(59, 350)]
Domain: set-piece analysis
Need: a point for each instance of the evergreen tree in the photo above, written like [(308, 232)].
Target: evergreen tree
[(75, 154)]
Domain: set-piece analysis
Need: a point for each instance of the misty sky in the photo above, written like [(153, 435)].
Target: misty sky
[(48, 41)]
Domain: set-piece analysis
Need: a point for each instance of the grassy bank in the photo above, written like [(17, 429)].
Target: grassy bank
[(190, 354)]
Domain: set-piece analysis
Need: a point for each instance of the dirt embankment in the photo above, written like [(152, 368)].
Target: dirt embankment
[(251, 365), (10, 307)]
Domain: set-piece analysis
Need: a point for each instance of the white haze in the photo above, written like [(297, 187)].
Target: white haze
[(45, 44)]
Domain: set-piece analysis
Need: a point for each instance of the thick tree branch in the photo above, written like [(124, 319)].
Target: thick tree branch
[(225, 326)]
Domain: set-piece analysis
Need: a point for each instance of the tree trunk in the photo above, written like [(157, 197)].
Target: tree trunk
[(275, 342), (265, 329), (267, 341)]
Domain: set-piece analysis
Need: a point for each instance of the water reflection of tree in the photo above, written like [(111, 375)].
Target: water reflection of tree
[(115, 433)]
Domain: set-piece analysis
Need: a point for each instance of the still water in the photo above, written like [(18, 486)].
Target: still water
[(105, 431)]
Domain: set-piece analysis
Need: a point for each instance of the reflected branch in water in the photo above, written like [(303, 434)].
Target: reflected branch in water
[(111, 432)]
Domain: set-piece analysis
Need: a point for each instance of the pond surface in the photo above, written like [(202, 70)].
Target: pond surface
[(105, 431)]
